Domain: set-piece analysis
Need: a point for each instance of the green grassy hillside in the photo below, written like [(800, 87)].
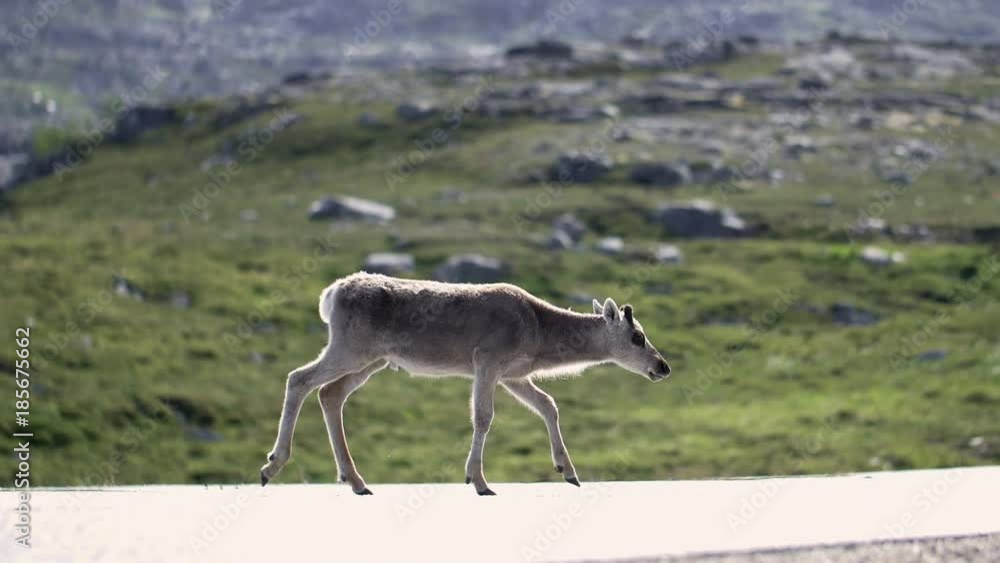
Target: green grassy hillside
[(185, 385)]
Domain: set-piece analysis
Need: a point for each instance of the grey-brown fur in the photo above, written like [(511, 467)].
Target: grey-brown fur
[(498, 334)]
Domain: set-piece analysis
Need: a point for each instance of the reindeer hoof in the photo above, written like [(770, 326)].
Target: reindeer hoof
[(559, 469), (486, 493), (573, 481), (263, 479), (364, 491), (468, 479)]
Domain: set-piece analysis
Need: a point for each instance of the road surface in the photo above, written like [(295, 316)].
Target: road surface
[(774, 518)]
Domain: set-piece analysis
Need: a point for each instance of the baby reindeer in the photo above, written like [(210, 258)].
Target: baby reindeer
[(498, 334)]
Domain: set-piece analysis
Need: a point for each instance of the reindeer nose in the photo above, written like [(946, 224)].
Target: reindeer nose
[(663, 368)]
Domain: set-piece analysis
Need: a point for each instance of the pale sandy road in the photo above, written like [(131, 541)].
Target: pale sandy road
[(602, 521)]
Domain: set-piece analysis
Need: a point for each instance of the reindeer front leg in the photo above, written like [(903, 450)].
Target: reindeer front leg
[(544, 406), (483, 391)]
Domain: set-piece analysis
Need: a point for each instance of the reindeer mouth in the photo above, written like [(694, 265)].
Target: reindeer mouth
[(654, 377)]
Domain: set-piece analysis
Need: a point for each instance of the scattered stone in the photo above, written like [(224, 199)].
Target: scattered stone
[(542, 49), (987, 447), (417, 110), (700, 219), (471, 268), (12, 169), (798, 145), (559, 240), (572, 226), (132, 124), (580, 168), (248, 215), (661, 174), (668, 254), (709, 172), (126, 288), (848, 315), (876, 256), (611, 246), (389, 263), (350, 207), (835, 64)]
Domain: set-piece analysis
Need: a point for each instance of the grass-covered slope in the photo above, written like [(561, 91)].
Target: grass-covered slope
[(765, 382)]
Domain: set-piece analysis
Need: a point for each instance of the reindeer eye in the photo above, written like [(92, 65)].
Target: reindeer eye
[(638, 339)]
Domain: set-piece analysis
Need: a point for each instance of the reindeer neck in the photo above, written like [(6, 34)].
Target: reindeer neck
[(569, 338)]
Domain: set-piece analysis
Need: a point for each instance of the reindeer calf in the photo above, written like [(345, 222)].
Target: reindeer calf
[(495, 333)]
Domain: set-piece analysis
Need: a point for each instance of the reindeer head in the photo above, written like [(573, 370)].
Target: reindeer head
[(627, 342)]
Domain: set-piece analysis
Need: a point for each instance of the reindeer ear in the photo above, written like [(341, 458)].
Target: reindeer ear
[(627, 311), (610, 310), (598, 308)]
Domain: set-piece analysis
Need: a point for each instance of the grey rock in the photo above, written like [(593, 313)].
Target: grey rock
[(836, 64), (668, 254), (709, 172), (417, 110), (126, 288), (559, 240), (541, 49), (12, 169), (700, 219), (471, 268), (571, 225), (140, 119), (661, 174), (580, 168), (876, 256), (349, 207), (611, 246), (389, 263)]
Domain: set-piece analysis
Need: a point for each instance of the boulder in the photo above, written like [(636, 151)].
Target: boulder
[(572, 226), (611, 246), (661, 174), (559, 240), (13, 168), (710, 172), (417, 110), (348, 207), (140, 119), (580, 168), (389, 263), (541, 49), (876, 256), (700, 219), (836, 64), (668, 254), (471, 268)]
